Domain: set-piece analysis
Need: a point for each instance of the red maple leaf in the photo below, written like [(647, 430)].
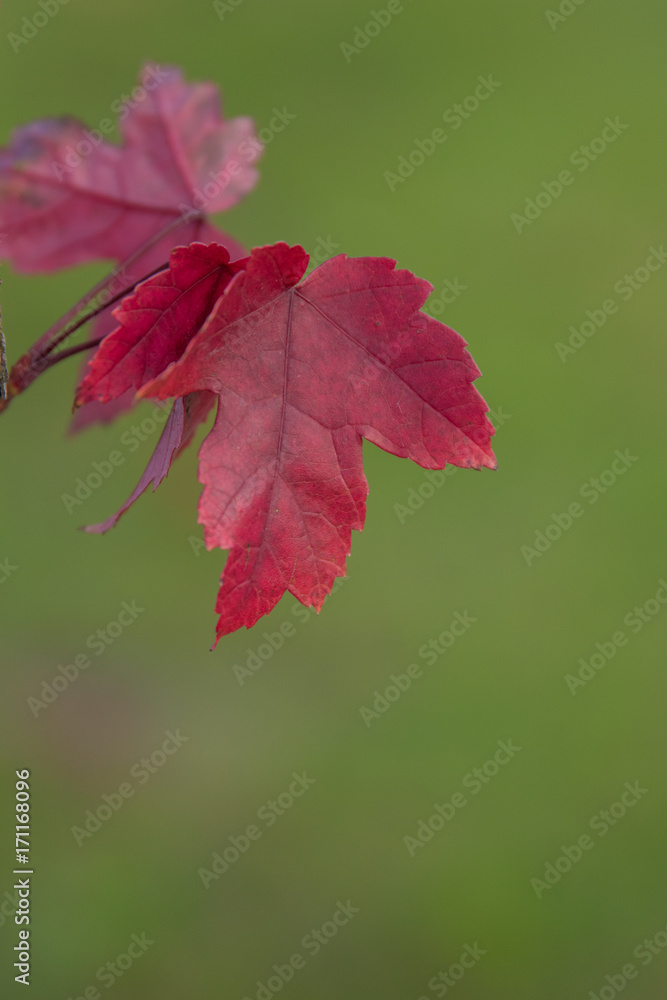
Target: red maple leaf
[(303, 372), (67, 196)]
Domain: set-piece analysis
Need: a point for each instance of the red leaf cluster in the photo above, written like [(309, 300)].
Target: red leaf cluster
[(300, 370)]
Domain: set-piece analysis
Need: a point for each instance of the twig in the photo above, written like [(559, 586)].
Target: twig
[(4, 374)]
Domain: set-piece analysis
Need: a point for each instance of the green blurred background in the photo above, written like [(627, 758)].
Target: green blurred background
[(505, 679)]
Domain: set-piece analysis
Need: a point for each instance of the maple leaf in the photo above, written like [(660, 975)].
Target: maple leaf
[(303, 372), (67, 196)]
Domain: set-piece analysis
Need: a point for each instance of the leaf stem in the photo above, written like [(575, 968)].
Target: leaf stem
[(91, 315), (69, 351), (41, 356), (59, 332), (4, 374)]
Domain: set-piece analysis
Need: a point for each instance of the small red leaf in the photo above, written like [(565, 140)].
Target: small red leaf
[(198, 230), (157, 321)]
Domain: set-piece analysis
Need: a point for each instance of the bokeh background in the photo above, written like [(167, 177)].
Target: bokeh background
[(560, 423)]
